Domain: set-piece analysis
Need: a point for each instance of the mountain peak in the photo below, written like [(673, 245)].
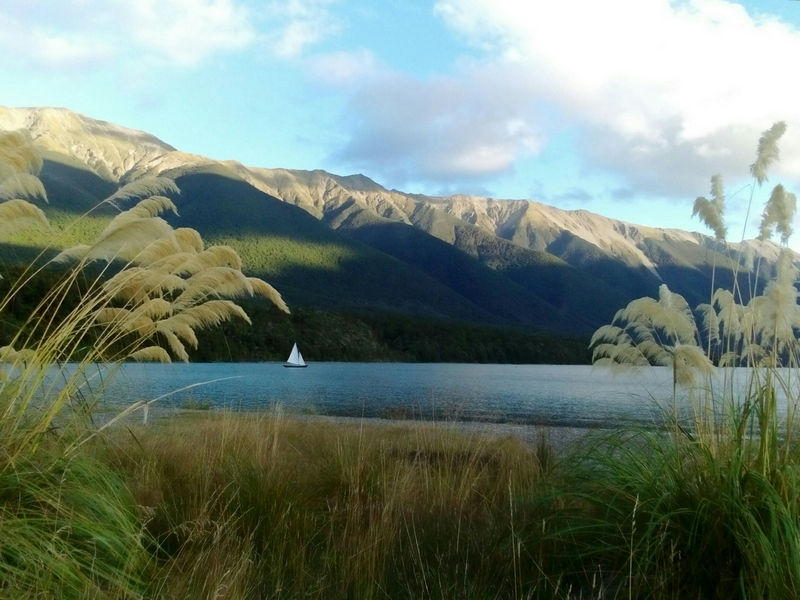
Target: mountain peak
[(118, 154), (357, 183), (110, 150)]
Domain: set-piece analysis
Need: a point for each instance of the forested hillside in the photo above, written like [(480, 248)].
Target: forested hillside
[(381, 274)]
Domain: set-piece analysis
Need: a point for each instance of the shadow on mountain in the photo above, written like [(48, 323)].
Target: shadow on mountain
[(310, 264), (75, 187), (355, 259), (482, 286), (630, 282)]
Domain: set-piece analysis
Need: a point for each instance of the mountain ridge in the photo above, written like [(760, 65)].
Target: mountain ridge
[(502, 217), (517, 261)]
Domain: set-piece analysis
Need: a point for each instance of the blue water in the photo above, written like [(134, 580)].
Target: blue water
[(535, 394)]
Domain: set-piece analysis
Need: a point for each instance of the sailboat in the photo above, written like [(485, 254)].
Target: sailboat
[(295, 359)]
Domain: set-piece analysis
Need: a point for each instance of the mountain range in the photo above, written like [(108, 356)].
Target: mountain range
[(346, 243)]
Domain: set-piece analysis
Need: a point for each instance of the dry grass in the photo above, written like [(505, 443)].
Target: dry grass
[(67, 525), (268, 506)]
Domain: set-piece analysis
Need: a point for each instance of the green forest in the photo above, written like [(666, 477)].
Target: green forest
[(328, 335), (373, 336)]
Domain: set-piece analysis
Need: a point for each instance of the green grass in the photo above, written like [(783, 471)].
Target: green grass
[(69, 529), (657, 516), (222, 505)]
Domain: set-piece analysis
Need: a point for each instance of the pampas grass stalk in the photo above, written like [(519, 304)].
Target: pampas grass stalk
[(721, 490), (69, 528)]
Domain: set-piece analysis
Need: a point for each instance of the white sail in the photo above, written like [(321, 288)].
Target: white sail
[(295, 358)]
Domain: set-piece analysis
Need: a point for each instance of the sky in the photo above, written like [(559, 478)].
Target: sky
[(625, 108)]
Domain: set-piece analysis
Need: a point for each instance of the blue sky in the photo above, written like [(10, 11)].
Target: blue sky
[(623, 107)]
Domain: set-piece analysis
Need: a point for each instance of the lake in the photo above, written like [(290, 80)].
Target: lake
[(567, 396)]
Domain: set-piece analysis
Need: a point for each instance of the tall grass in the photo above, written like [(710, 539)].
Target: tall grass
[(274, 507), (264, 506), (68, 526), (710, 508)]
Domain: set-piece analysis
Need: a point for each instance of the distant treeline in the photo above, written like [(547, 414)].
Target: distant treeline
[(325, 335), (367, 336)]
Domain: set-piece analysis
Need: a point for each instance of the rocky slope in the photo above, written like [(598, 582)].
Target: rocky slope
[(568, 265), (632, 259), (525, 223)]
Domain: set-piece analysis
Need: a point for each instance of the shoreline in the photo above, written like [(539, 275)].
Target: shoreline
[(558, 437)]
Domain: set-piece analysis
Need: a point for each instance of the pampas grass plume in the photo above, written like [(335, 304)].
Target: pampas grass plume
[(778, 213), (72, 254), (151, 354), (262, 288), (18, 152), (711, 211), (155, 308), (767, 152), (137, 283), (144, 188), (163, 254), (127, 239), (22, 185), (126, 321), (175, 345), (18, 214), (215, 256), (149, 207), (710, 321), (189, 240), (778, 314), (179, 327), (214, 282), (670, 312), (211, 313)]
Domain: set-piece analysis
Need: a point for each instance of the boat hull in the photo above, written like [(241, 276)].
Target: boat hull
[(294, 366)]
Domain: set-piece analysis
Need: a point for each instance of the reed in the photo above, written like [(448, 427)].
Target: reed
[(69, 528), (285, 507), (709, 507)]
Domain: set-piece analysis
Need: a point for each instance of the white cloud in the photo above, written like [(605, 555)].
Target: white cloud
[(300, 24), (665, 93), (187, 31), (30, 37), (658, 94), (344, 69), (439, 129), (44, 34)]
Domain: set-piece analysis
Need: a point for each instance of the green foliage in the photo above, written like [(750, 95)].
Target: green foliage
[(70, 529), (371, 336), (707, 508), (650, 515), (437, 341)]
